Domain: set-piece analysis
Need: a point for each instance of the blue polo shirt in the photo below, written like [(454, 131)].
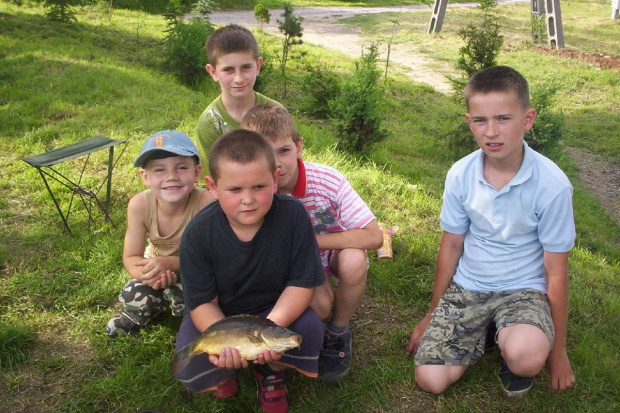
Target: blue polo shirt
[(507, 230)]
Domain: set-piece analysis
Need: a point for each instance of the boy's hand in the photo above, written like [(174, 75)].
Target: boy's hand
[(418, 332), (165, 280), (229, 359), (268, 356), (152, 269), (560, 370)]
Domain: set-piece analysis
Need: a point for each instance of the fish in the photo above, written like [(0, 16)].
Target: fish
[(251, 335)]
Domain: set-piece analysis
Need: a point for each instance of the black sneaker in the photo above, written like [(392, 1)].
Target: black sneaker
[(335, 357), (514, 386), (122, 324)]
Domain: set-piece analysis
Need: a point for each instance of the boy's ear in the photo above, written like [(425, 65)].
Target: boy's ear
[(276, 176), (211, 185), (259, 64), (468, 118), (212, 72), (197, 170), (299, 147), (144, 176), (530, 116)]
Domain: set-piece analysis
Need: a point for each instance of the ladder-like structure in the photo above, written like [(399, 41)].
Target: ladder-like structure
[(551, 9)]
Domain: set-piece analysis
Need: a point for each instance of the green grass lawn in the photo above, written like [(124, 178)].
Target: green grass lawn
[(61, 84)]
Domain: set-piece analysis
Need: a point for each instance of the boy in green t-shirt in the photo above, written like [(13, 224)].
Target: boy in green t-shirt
[(234, 62)]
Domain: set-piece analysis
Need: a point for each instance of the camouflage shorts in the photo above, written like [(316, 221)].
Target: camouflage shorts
[(456, 334), (144, 303)]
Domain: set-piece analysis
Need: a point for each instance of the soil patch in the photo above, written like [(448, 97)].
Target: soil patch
[(601, 178), (598, 60)]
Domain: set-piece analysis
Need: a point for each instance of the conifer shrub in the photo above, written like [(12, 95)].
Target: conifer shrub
[(355, 112)]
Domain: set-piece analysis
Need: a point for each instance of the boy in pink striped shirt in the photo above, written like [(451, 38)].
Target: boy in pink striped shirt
[(344, 226)]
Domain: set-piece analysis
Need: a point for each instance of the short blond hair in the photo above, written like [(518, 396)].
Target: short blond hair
[(272, 122)]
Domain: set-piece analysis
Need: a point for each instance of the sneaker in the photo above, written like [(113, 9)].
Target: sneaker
[(227, 388), (335, 357), (122, 324), (514, 386), (272, 394)]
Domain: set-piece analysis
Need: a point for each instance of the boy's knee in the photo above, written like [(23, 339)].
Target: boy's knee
[(352, 265), (430, 380), (525, 348), (322, 302)]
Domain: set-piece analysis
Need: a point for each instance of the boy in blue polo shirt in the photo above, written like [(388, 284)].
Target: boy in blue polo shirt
[(508, 227)]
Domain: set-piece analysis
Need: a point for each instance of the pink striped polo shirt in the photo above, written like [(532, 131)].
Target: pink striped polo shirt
[(329, 198)]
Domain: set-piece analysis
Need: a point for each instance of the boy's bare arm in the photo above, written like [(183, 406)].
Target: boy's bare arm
[(135, 236), (450, 251), (367, 238), (558, 364), (292, 303)]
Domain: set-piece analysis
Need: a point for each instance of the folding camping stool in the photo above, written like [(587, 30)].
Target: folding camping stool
[(45, 162)]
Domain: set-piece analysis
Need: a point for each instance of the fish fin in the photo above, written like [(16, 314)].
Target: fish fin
[(254, 339), (182, 359)]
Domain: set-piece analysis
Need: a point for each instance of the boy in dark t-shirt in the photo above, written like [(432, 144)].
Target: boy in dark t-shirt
[(251, 252)]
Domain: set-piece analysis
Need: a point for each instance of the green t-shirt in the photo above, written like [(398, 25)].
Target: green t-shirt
[(213, 123)]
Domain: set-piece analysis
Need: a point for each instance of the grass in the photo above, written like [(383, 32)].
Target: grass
[(61, 84)]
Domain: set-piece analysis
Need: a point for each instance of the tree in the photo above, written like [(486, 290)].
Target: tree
[(482, 43), (262, 15), (204, 8), (355, 111), (62, 10), (290, 26)]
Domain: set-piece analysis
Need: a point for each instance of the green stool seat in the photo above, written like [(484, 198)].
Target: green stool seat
[(44, 164)]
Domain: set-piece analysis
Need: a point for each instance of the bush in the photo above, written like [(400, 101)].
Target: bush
[(204, 8), (482, 42), (187, 56), (355, 111), (548, 128), (262, 15), (320, 85), (62, 10)]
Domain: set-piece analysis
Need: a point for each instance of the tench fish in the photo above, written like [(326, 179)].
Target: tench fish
[(250, 335)]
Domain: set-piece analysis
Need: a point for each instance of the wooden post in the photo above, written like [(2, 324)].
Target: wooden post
[(615, 9)]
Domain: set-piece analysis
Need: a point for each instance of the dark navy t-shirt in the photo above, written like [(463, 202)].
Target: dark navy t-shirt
[(248, 277)]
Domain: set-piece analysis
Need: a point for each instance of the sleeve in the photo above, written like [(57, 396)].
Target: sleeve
[(197, 273), (453, 217), (354, 213), (556, 225), (208, 128), (306, 269)]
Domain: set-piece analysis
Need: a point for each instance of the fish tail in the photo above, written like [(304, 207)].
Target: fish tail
[(182, 359)]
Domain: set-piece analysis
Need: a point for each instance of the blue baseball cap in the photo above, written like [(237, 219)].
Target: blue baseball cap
[(171, 141)]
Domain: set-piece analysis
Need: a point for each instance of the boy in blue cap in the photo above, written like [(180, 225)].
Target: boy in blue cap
[(169, 167)]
